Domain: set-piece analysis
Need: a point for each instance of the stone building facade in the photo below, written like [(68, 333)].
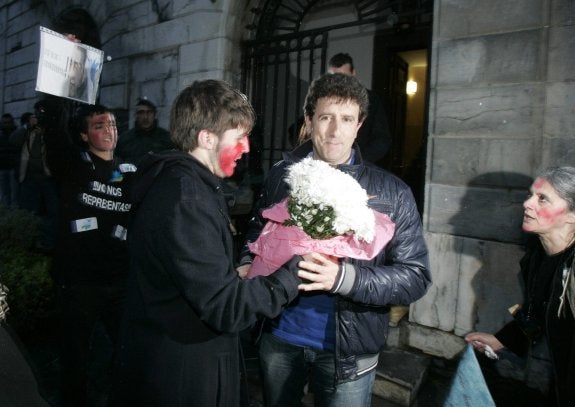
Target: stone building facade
[(501, 105), (154, 48)]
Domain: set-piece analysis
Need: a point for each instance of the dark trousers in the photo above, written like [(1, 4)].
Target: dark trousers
[(91, 316), (40, 196)]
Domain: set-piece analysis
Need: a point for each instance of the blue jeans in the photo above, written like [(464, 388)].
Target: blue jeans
[(285, 372)]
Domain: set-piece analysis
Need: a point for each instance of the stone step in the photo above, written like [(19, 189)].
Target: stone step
[(399, 375)]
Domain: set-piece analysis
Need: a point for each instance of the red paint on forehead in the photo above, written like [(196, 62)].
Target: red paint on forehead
[(539, 182)]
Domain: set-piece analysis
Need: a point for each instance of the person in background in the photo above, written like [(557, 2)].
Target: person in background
[(186, 305), (90, 260), (8, 162), (146, 136), (338, 333), (547, 269), (29, 124), (37, 191), (374, 137)]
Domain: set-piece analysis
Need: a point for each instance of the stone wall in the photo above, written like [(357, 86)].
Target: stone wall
[(153, 49), (502, 105), (166, 46), (19, 26)]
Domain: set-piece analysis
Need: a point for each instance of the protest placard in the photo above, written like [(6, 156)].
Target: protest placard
[(68, 69)]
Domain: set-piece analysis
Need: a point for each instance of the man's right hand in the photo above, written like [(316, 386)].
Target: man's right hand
[(318, 271), (243, 270)]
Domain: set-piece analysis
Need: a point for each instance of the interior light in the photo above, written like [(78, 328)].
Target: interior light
[(411, 88)]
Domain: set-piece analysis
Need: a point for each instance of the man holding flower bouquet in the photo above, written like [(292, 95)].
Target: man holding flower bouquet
[(339, 323)]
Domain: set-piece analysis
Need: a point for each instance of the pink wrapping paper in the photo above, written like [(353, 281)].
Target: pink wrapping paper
[(278, 243)]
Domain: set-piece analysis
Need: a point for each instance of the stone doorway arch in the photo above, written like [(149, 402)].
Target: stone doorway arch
[(79, 22), (289, 44)]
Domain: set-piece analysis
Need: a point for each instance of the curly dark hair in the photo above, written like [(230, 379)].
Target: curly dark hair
[(340, 87)]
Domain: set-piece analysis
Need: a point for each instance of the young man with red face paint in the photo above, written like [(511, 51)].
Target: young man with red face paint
[(90, 265), (186, 303), (547, 269)]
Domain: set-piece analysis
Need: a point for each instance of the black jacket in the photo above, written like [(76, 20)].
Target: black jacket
[(538, 316), (186, 303), (93, 209), (397, 275), (374, 137), (135, 143)]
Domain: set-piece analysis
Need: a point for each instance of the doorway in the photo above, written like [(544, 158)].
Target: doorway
[(400, 60)]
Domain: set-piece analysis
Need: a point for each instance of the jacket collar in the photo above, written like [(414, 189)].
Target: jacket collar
[(155, 163), (302, 151)]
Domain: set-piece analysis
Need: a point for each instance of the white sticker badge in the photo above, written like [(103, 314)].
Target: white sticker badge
[(83, 225)]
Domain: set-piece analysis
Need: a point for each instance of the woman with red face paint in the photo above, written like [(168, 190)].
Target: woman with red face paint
[(547, 269)]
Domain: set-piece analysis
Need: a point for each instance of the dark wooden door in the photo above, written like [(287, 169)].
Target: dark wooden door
[(397, 80)]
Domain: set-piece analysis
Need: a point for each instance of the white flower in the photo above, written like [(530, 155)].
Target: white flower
[(316, 186)]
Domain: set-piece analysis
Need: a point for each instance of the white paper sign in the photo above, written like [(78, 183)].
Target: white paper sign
[(68, 69)]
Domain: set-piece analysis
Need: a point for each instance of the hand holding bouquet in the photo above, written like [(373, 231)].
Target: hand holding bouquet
[(326, 212)]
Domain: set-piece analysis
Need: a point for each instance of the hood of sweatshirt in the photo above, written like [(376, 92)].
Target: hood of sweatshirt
[(153, 164)]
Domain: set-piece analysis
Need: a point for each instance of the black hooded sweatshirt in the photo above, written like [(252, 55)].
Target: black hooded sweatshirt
[(186, 303)]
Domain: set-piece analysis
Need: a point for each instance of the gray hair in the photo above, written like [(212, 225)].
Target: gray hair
[(563, 180)]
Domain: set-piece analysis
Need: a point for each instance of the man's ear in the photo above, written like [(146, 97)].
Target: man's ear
[(307, 122), (207, 139), (84, 137)]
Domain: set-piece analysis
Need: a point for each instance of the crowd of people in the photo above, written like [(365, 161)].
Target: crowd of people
[(28, 182), (142, 247)]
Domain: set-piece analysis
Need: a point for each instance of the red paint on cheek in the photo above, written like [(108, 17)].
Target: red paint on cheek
[(550, 215), (228, 156)]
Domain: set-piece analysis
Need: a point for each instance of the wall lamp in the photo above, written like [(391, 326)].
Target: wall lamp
[(411, 88)]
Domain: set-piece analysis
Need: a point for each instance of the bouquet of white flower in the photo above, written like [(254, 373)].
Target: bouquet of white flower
[(325, 212), (326, 202)]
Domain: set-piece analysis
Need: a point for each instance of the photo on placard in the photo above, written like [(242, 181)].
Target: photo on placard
[(68, 69)]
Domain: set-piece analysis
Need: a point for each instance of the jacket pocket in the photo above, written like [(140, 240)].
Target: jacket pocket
[(384, 206)]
